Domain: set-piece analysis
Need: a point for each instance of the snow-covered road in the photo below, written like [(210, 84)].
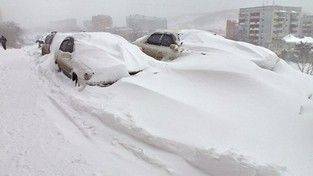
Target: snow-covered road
[(43, 133), (187, 119)]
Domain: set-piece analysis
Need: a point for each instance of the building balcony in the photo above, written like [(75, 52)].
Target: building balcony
[(254, 23)]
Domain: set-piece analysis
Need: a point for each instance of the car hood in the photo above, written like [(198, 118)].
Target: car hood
[(109, 57)]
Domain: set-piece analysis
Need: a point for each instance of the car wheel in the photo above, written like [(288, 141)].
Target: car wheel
[(75, 79)]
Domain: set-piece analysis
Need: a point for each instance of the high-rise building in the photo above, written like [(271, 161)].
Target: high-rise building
[(231, 29), (101, 22), (307, 26), (145, 23), (261, 25)]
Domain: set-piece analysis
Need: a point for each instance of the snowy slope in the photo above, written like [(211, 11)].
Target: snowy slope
[(207, 114)]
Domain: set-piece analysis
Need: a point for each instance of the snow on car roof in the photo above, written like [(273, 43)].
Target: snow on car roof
[(111, 48), (205, 42), (110, 56)]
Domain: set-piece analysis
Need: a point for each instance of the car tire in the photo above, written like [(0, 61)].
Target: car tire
[(75, 79)]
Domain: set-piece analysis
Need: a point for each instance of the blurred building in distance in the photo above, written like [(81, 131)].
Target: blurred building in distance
[(261, 25), (101, 22), (232, 29), (307, 26), (145, 23)]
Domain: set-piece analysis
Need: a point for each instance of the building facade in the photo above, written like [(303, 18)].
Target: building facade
[(307, 26), (145, 24), (261, 25), (231, 29), (101, 22)]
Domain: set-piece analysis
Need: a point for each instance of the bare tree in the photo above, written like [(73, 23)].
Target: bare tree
[(13, 33), (304, 57)]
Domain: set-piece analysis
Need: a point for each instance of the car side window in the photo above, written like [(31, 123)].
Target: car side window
[(154, 39), (167, 40), (48, 39), (67, 45)]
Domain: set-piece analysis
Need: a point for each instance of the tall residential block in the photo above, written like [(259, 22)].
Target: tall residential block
[(231, 29), (261, 25), (101, 22), (307, 26)]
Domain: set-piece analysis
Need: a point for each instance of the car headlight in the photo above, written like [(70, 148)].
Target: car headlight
[(87, 76)]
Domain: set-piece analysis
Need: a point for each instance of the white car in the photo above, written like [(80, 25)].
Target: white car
[(161, 45), (169, 45), (99, 58)]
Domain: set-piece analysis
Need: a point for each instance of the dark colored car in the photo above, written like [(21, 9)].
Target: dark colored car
[(45, 49)]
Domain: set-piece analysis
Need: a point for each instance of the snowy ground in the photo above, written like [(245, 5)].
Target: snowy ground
[(199, 115)]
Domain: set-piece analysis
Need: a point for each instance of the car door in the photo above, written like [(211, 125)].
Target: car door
[(64, 58), (166, 41), (152, 46)]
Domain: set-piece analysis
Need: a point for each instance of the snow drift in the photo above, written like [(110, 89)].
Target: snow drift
[(217, 114)]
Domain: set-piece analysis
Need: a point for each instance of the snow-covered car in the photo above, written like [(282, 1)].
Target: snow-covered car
[(99, 58), (45, 48), (160, 44), (164, 45)]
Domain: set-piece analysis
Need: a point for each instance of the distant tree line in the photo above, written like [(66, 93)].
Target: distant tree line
[(13, 32)]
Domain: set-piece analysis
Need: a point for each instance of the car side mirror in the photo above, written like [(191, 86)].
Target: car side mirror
[(174, 47)]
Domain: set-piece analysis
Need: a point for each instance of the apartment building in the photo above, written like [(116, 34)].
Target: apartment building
[(307, 26), (101, 22), (231, 29), (261, 25)]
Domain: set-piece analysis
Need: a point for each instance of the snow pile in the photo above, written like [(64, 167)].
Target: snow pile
[(216, 114), (212, 44), (109, 56), (57, 40), (292, 39)]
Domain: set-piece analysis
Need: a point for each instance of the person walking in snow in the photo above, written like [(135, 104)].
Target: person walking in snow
[(3, 41)]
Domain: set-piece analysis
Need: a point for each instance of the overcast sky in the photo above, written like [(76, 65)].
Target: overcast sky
[(37, 12)]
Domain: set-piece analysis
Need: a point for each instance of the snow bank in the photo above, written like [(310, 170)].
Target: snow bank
[(202, 42), (109, 56), (220, 112), (57, 40), (216, 114), (292, 39)]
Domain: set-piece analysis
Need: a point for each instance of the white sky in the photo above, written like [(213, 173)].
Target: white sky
[(38, 12)]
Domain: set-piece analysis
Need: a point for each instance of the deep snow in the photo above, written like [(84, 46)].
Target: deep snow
[(218, 114)]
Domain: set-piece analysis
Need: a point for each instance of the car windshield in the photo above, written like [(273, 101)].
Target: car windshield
[(167, 40), (49, 39), (67, 45), (155, 39)]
